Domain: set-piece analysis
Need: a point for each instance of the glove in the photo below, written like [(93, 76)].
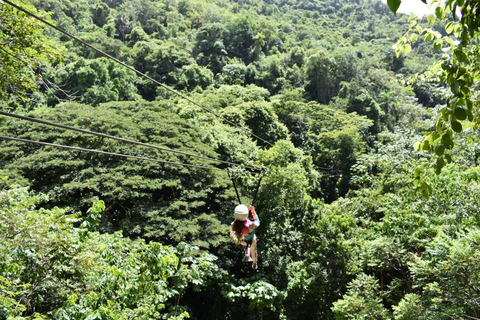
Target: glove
[(254, 214)]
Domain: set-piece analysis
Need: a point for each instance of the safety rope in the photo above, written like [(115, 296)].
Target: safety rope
[(258, 186), (231, 176)]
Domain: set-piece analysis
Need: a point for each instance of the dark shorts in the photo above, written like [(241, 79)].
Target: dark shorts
[(248, 239)]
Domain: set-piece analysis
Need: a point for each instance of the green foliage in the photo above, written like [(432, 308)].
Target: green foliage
[(262, 121), (194, 76), (260, 294), (324, 76), (448, 274), (361, 301), (273, 73), (240, 38), (161, 60), (290, 178), (318, 80), (94, 215), (320, 273), (51, 269), (24, 51), (97, 81), (209, 46), (409, 308), (393, 157), (10, 306), (402, 229), (164, 39), (457, 71), (142, 197)]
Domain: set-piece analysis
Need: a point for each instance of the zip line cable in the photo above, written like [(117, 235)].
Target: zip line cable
[(131, 68), (108, 136), (8, 114), (107, 153)]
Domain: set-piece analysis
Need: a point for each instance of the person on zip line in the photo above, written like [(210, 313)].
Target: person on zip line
[(243, 232)]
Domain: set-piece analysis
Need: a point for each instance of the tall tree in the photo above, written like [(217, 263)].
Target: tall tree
[(23, 51)]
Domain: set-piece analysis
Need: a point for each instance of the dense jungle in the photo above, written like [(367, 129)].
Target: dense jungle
[(131, 129)]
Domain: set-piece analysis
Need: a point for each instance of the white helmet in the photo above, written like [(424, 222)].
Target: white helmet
[(241, 212)]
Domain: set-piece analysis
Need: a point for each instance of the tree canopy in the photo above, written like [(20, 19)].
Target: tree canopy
[(335, 100), (457, 70)]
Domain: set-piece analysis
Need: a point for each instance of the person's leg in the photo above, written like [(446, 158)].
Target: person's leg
[(248, 252), (254, 253), (246, 248)]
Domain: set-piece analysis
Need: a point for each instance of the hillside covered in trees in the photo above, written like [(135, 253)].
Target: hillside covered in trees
[(356, 223)]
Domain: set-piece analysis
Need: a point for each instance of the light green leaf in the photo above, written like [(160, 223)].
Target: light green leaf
[(418, 172), (437, 44), (425, 192), (431, 19), (439, 12), (449, 27), (416, 182), (406, 49), (428, 37)]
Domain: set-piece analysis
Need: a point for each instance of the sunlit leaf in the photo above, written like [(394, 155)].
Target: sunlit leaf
[(439, 12), (428, 37), (449, 27), (418, 171)]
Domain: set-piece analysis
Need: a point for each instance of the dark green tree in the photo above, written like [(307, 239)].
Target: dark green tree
[(142, 198)]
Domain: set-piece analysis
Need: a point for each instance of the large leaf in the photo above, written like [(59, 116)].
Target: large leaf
[(394, 4)]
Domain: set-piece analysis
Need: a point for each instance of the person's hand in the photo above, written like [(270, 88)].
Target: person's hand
[(252, 211)]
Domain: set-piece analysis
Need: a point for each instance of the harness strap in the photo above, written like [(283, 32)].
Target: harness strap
[(230, 175), (229, 170), (258, 186)]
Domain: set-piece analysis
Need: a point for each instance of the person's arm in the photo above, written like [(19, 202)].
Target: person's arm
[(256, 221)]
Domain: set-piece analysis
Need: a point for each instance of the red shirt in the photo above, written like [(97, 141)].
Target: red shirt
[(246, 227)]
